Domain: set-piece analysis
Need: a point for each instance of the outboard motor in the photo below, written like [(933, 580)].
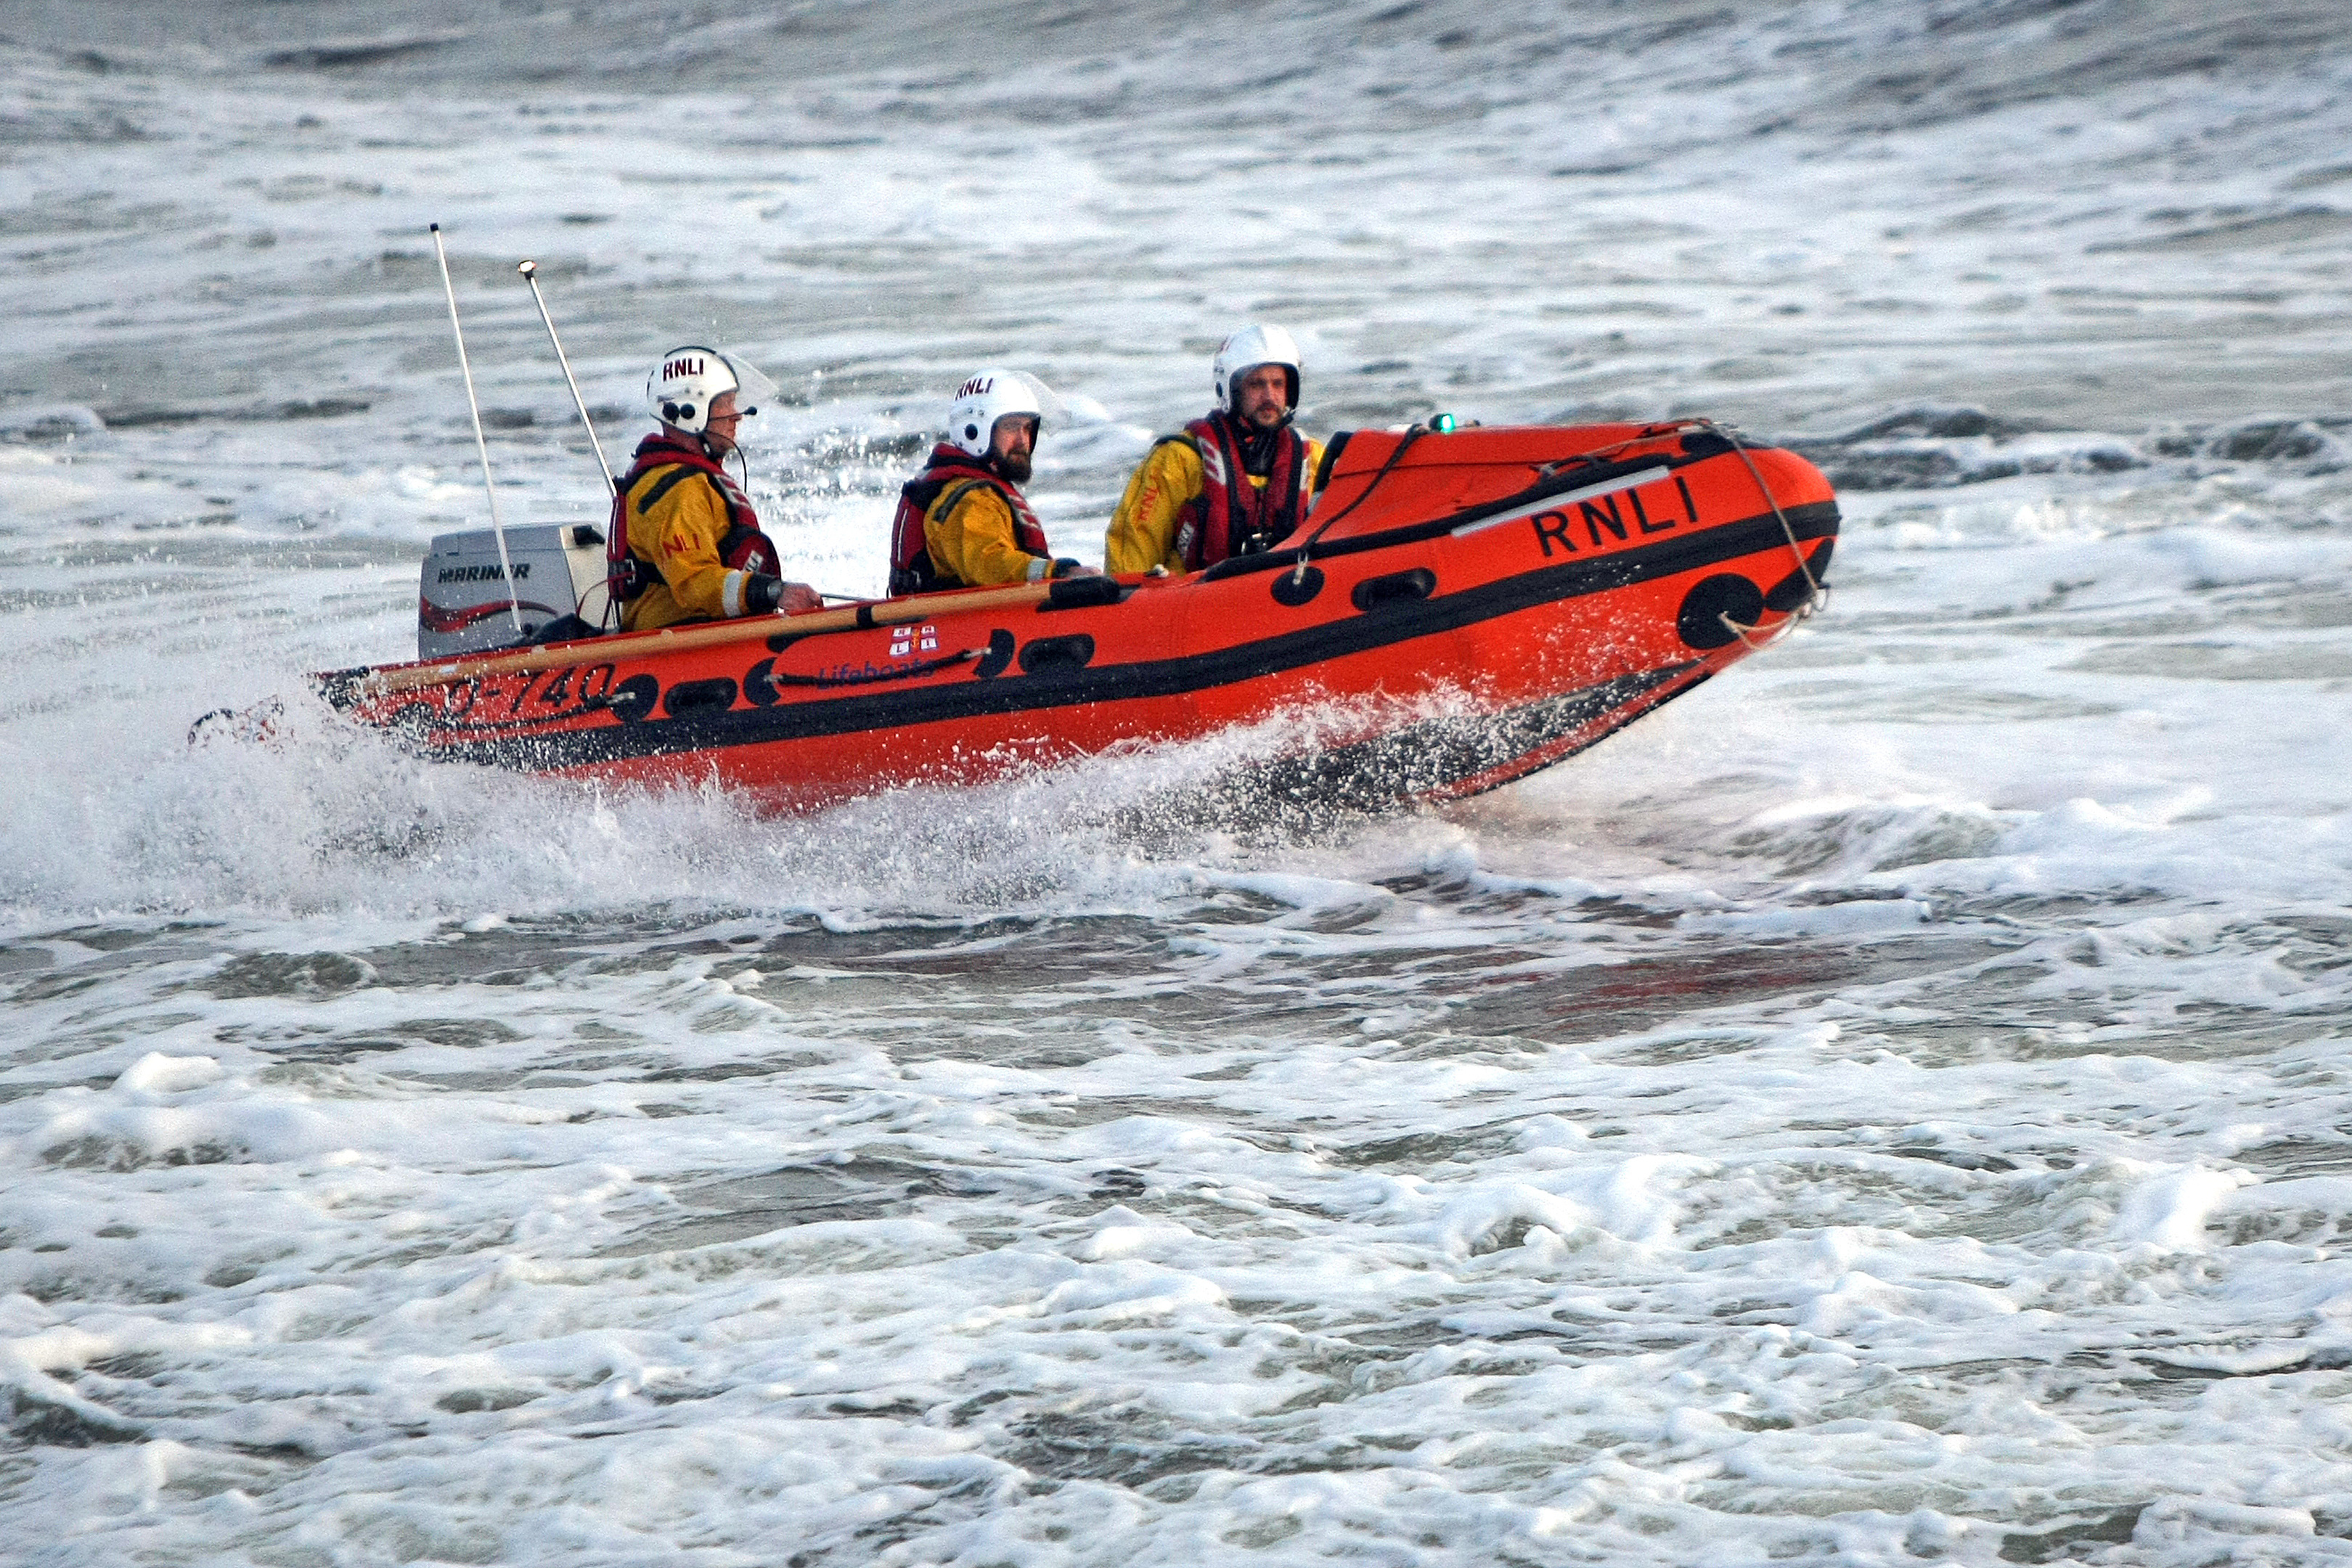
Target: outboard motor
[(462, 607)]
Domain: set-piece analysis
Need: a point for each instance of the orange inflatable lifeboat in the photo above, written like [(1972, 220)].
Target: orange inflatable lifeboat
[(1460, 608)]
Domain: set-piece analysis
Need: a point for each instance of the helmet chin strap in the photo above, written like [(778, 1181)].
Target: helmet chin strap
[(743, 463), (702, 439)]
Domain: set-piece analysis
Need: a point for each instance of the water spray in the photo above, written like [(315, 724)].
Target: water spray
[(481, 445)]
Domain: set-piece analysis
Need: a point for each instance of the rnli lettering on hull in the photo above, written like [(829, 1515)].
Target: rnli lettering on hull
[(481, 574), (1595, 506), (1600, 515)]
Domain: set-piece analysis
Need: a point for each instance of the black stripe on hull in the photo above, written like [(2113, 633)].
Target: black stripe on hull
[(1388, 625)]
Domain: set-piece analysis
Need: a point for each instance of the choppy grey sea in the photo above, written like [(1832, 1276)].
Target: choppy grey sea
[(1889, 1106)]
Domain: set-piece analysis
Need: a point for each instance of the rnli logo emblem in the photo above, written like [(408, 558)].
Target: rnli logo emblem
[(906, 640), (678, 369)]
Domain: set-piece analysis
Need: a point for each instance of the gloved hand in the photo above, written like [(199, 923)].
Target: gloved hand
[(764, 596), (1069, 566)]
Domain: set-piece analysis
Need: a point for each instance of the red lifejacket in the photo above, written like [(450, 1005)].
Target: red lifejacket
[(743, 548), (1232, 516), (912, 571)]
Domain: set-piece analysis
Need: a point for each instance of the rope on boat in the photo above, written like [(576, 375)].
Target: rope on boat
[(1816, 595), (909, 672), (1298, 572)]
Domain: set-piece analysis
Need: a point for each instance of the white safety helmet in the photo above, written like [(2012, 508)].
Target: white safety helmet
[(1243, 353), (691, 378), (986, 396)]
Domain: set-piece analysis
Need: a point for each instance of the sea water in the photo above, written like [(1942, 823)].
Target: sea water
[(1888, 1106)]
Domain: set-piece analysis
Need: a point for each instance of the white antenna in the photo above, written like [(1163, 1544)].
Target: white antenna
[(506, 566), (530, 270)]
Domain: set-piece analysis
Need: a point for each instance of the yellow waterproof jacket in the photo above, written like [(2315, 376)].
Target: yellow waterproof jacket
[(1142, 532), (970, 537), (678, 537)]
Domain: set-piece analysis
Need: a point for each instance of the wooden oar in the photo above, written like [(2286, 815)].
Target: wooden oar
[(679, 639)]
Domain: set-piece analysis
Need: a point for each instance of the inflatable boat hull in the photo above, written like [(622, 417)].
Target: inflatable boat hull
[(1457, 611)]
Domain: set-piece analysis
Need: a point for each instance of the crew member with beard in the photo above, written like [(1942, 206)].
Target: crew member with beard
[(685, 545), (1234, 482), (962, 522)]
